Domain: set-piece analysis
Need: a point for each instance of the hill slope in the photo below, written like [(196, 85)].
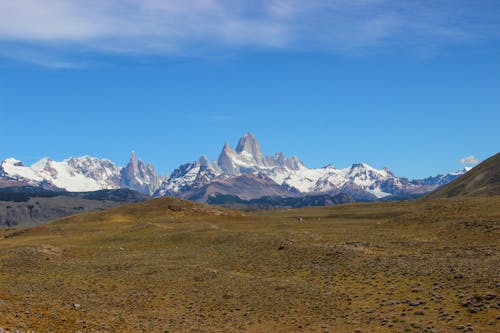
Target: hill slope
[(482, 180), (232, 201), (28, 205), (173, 265)]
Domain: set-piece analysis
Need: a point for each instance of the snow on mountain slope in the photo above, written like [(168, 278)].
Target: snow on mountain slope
[(248, 158), (329, 179), (73, 174), (440, 180), (15, 169), (84, 174), (291, 172), (189, 176), (361, 181)]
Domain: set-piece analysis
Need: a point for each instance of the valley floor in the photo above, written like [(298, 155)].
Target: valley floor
[(170, 266)]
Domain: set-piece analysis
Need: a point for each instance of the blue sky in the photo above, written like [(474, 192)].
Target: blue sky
[(414, 87)]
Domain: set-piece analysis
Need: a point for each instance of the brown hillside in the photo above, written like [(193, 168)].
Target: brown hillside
[(482, 180)]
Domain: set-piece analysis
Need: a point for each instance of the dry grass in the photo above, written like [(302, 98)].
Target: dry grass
[(172, 266)]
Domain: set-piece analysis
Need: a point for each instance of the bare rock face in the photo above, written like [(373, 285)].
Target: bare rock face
[(140, 176), (237, 170), (281, 161), (360, 181), (245, 186), (250, 149), (225, 160), (248, 158), (101, 170)]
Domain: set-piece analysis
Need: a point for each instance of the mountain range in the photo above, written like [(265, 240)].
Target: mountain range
[(244, 173)]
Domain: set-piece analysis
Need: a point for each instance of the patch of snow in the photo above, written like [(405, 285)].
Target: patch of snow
[(73, 174)]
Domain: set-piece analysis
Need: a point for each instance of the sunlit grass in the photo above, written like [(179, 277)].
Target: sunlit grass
[(172, 265)]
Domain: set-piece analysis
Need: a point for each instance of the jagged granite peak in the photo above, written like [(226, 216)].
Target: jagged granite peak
[(140, 176), (248, 158), (280, 160), (86, 173), (133, 158), (293, 163), (249, 148), (226, 158), (203, 161)]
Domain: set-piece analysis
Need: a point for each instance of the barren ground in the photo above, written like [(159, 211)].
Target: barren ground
[(171, 266)]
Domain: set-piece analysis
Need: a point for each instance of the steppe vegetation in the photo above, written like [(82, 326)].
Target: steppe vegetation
[(169, 265)]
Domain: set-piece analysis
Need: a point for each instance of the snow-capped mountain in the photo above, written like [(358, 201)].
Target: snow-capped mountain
[(361, 181), (189, 176), (248, 158), (440, 180), (243, 171), (140, 176), (291, 172), (83, 174), (73, 174)]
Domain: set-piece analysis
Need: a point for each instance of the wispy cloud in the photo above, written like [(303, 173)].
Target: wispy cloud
[(469, 160), (191, 26)]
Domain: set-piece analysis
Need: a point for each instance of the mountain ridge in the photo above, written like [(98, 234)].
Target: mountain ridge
[(285, 176), (83, 174), (482, 180)]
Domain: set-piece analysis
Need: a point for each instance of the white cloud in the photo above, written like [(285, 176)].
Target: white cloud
[(189, 26), (469, 160)]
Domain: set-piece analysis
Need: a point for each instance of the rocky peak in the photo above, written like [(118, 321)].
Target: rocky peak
[(388, 171), (139, 176), (133, 158), (248, 144), (280, 158), (89, 164), (225, 160), (203, 161), (293, 163)]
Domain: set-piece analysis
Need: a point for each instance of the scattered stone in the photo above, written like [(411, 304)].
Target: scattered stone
[(490, 296), (443, 314)]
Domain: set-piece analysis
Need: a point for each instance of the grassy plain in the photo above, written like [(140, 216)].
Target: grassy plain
[(168, 265)]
